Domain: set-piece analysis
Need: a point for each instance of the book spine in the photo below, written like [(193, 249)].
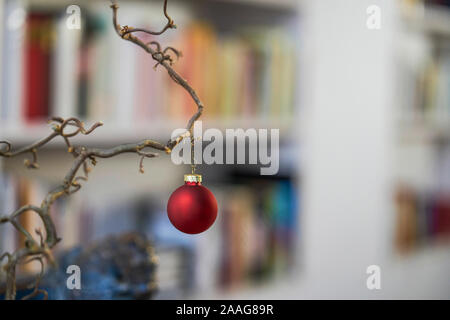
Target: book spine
[(12, 62), (38, 54), (64, 80)]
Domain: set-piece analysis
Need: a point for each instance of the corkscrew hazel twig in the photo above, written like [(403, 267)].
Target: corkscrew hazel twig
[(40, 250)]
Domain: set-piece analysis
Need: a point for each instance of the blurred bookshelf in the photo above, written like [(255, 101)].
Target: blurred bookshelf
[(422, 197), (425, 31), (80, 70), (244, 72), (251, 47), (432, 19), (283, 4)]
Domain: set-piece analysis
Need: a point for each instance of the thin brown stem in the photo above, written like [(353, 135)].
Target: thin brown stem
[(36, 291)]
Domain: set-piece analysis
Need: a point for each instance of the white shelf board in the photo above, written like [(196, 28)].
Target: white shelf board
[(423, 131), (111, 133), (275, 4), (434, 20), (281, 4)]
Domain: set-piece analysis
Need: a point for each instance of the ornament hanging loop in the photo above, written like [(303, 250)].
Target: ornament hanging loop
[(193, 167)]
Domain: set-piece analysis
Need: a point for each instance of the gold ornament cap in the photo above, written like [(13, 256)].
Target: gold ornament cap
[(195, 178)]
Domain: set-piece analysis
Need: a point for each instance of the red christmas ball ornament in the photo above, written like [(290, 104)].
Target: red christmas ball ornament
[(192, 208)]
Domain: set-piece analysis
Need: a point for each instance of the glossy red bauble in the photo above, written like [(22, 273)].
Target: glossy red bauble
[(192, 208)]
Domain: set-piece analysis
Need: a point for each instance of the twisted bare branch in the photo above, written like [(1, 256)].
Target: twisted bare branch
[(36, 291), (66, 129), (169, 25)]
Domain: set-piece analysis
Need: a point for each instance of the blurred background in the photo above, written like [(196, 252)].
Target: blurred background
[(364, 119)]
